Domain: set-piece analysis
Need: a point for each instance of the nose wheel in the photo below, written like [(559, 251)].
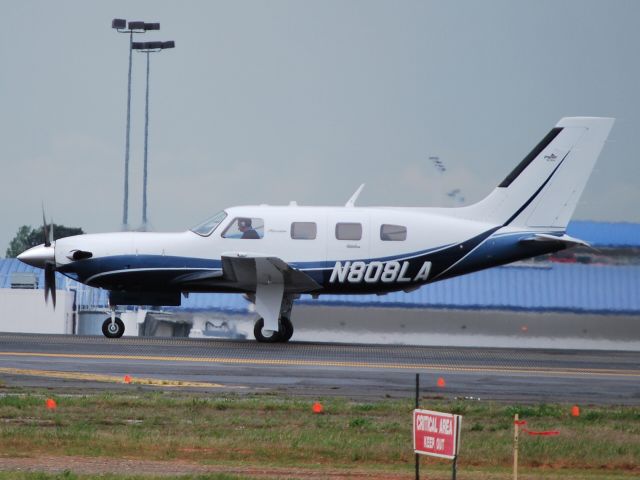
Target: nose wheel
[(283, 335), (113, 327)]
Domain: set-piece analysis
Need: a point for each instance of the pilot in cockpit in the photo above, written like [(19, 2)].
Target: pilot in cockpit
[(244, 225)]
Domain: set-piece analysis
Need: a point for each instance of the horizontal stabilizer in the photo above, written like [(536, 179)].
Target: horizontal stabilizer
[(565, 239)]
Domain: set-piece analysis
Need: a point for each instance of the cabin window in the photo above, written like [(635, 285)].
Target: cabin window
[(304, 230), (209, 225), (349, 231), (245, 228), (393, 233)]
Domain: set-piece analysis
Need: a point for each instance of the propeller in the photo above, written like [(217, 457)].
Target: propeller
[(49, 267)]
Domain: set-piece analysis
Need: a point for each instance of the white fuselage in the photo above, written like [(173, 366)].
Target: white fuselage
[(368, 262)]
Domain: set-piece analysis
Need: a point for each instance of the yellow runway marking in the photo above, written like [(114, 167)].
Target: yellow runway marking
[(327, 363), (105, 378)]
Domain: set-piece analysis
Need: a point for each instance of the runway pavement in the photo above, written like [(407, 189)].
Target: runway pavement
[(79, 364)]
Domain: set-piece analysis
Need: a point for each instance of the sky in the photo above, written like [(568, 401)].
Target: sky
[(268, 102)]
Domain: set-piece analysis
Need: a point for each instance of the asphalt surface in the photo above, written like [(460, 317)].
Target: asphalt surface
[(82, 364)]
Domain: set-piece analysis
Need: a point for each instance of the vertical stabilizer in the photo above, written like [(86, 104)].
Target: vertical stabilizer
[(544, 189)]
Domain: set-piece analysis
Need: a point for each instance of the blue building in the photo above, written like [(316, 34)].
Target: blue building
[(608, 285)]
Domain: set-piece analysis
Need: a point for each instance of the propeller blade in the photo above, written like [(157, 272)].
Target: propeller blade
[(50, 283), (47, 242), (53, 290)]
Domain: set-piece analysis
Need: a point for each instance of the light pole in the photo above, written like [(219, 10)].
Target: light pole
[(120, 25), (148, 47)]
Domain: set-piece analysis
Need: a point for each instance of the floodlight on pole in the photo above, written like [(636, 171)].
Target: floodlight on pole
[(148, 47), (121, 25)]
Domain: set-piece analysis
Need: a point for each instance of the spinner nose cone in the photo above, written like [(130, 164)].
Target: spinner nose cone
[(38, 256)]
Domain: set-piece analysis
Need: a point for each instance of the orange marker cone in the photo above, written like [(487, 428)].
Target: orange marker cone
[(441, 382), (51, 404), (575, 411), (317, 408), (127, 379)]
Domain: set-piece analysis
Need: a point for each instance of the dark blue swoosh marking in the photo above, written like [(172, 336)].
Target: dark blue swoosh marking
[(502, 249), (528, 202)]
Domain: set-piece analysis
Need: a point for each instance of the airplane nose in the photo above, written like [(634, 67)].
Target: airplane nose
[(38, 256)]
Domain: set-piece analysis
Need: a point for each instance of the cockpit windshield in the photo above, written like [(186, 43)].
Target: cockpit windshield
[(210, 224)]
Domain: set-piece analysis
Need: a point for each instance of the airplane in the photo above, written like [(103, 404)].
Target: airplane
[(273, 254)]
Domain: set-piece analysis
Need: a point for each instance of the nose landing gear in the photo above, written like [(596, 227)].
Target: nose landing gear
[(113, 327)]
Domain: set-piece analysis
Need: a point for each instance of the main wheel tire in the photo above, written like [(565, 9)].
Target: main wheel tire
[(286, 329), (113, 330), (261, 337)]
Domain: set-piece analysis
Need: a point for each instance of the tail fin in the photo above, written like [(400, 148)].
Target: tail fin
[(544, 189)]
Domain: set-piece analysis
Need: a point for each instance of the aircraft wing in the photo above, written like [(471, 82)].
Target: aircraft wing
[(248, 272), (245, 271)]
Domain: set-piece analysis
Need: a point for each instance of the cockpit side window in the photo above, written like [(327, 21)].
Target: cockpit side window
[(209, 225), (245, 228)]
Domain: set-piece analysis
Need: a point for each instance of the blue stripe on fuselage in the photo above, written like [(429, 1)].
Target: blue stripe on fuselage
[(485, 250), (85, 269)]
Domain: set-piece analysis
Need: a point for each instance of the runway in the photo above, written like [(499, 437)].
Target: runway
[(75, 364)]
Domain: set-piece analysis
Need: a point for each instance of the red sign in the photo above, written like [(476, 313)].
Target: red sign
[(436, 434)]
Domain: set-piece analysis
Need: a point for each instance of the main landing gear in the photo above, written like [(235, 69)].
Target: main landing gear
[(284, 325), (283, 335), (113, 327)]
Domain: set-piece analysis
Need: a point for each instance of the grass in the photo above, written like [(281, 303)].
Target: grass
[(280, 431), (432, 474), (67, 475)]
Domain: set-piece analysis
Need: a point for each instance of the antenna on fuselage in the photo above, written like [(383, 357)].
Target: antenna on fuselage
[(352, 201)]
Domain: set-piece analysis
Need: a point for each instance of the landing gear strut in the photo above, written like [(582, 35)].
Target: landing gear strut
[(113, 327)]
